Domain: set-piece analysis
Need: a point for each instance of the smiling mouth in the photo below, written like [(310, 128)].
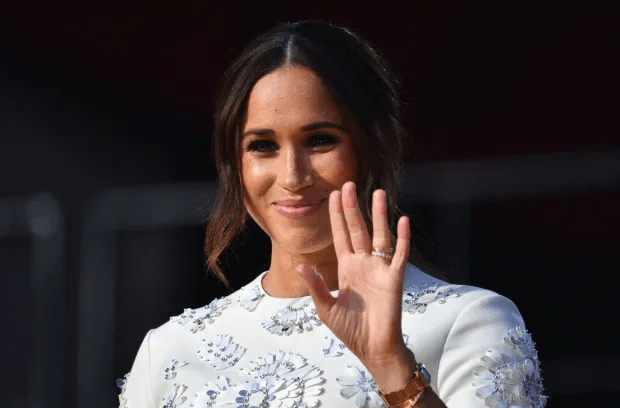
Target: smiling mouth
[(299, 212)]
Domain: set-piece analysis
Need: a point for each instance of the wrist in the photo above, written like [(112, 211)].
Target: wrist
[(395, 372)]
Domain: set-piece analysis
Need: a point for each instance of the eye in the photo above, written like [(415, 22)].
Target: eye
[(269, 146), (323, 139), (260, 146)]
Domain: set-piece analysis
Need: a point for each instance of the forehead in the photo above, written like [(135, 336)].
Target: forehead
[(293, 96)]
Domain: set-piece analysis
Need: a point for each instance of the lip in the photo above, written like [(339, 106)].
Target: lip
[(297, 203), (298, 212)]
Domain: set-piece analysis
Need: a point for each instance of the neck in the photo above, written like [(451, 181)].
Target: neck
[(283, 281)]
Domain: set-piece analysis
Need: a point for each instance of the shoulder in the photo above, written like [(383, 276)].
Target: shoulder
[(182, 349), (218, 315), (192, 321), (456, 317), (450, 316), (469, 336), (421, 290)]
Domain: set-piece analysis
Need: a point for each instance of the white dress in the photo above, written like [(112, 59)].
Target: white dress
[(252, 350)]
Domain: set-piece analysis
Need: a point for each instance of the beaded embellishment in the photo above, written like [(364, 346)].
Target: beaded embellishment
[(250, 298), (171, 370), (333, 347), (280, 379), (199, 316), (360, 384), (513, 377), (176, 398), (296, 317), (212, 391), (220, 352), (122, 384), (417, 297)]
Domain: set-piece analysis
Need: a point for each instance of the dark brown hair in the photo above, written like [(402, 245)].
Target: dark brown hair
[(357, 77)]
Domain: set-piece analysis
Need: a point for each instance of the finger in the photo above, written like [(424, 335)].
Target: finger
[(360, 240), (380, 231), (340, 231), (402, 246), (318, 290)]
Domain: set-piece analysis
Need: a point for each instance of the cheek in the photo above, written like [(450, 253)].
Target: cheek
[(252, 173), (256, 181), (341, 167)]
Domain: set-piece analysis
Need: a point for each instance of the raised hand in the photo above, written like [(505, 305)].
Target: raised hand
[(366, 315)]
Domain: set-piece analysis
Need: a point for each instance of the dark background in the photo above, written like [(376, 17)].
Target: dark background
[(109, 94)]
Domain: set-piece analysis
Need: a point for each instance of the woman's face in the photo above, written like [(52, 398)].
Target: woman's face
[(297, 144)]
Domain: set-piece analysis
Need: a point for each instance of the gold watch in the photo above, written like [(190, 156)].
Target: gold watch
[(419, 382)]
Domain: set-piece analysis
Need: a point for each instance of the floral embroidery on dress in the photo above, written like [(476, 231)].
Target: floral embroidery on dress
[(175, 399), (335, 348), (296, 317), (506, 379), (171, 370), (278, 380), (359, 383), (417, 297), (208, 397), (122, 384), (202, 314), (250, 297), (332, 347), (220, 352)]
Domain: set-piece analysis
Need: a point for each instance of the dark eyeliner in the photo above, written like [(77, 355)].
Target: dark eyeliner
[(255, 145), (331, 139), (327, 139)]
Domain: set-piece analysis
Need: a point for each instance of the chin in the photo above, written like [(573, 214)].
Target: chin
[(304, 246)]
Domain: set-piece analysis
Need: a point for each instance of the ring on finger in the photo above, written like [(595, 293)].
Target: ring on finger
[(383, 254)]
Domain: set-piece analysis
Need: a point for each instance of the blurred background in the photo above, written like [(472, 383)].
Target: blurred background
[(106, 174)]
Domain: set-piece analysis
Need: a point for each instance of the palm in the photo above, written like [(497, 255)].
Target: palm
[(366, 314)]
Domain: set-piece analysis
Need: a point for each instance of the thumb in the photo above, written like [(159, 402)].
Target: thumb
[(318, 290)]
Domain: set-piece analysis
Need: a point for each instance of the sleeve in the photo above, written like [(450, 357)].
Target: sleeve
[(136, 391), (489, 359)]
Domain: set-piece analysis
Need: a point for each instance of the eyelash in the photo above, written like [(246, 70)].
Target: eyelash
[(256, 144)]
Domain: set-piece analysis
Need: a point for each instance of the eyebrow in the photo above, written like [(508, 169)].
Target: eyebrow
[(306, 128)]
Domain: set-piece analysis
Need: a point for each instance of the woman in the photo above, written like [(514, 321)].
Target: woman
[(307, 142)]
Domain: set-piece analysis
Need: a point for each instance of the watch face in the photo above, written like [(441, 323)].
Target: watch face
[(425, 373)]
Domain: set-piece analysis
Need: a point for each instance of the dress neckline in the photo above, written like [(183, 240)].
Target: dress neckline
[(259, 282)]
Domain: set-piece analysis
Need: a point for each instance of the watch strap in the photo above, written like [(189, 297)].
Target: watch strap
[(416, 385)]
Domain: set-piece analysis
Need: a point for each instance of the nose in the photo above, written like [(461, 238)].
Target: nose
[(296, 171)]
